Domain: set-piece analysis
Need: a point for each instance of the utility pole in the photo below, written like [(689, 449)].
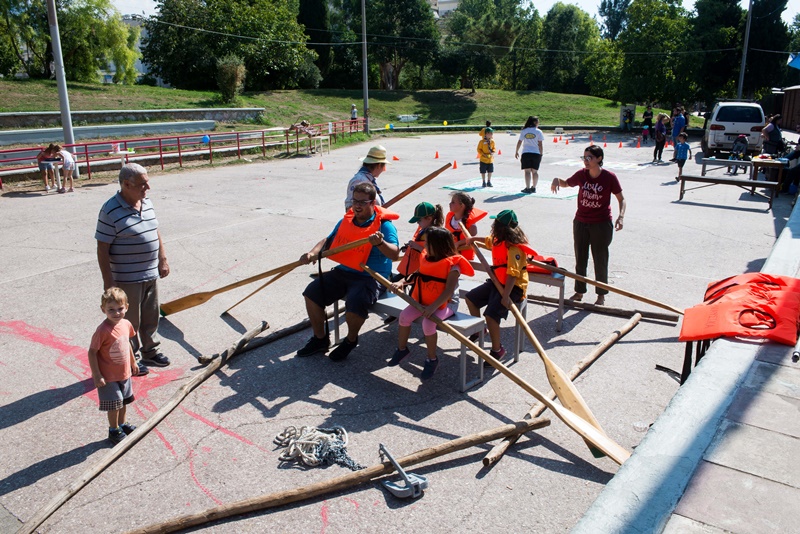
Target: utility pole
[(364, 70), (744, 50), (63, 97)]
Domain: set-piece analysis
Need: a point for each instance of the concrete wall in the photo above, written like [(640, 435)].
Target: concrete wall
[(53, 118)]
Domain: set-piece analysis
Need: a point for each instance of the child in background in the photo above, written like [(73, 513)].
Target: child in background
[(486, 148), (510, 253), (68, 165), (682, 152), (112, 363), (426, 216), (462, 209), (433, 286), (645, 133), (483, 130), (45, 161)]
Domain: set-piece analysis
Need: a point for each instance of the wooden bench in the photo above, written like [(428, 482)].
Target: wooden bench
[(391, 305), (728, 163), (774, 187)]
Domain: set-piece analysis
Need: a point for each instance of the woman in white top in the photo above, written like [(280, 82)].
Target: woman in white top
[(531, 139)]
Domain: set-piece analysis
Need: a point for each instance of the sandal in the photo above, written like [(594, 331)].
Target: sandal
[(577, 297), (601, 300)]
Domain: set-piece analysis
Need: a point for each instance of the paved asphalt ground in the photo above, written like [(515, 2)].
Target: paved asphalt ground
[(229, 222)]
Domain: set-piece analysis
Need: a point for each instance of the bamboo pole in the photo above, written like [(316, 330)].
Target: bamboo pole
[(125, 445), (605, 286), (497, 452), (349, 480), (608, 310), (581, 427)]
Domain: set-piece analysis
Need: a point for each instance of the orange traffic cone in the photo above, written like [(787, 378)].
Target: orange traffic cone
[(605, 145), (590, 138), (638, 144), (395, 158), (567, 141), (620, 144), (604, 137), (559, 138), (320, 166), (455, 164), (555, 139), (499, 152), (573, 137), (437, 155)]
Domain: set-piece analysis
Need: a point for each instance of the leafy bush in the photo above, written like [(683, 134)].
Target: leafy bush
[(230, 77)]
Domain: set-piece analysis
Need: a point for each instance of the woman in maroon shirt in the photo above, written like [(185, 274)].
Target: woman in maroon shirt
[(592, 228)]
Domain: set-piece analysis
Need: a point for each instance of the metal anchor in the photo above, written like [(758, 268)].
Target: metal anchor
[(414, 483)]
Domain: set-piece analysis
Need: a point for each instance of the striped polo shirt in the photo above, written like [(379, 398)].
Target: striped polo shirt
[(133, 237)]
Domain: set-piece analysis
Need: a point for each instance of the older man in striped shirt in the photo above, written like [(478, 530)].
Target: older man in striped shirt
[(131, 256)]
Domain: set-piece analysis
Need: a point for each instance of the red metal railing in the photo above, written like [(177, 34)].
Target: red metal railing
[(94, 152)]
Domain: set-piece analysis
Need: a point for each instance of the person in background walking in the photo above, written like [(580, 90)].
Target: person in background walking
[(660, 133), (647, 124), (531, 139), (678, 125), (682, 152)]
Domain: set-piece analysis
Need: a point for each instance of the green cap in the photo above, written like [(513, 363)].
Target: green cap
[(507, 217), (423, 209), (488, 130)]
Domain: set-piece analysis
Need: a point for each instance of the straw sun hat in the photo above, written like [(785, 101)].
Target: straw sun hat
[(376, 154)]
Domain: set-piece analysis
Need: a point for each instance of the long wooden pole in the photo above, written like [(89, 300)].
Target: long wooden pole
[(195, 299), (125, 445), (349, 480), (602, 285), (573, 421), (403, 194), (608, 310), (565, 390), (497, 452)]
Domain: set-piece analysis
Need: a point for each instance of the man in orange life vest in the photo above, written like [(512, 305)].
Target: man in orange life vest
[(347, 280)]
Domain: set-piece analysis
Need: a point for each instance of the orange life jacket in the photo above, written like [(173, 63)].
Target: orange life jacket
[(762, 314), (431, 279), (349, 232), (500, 258), (541, 259), (410, 262), (764, 280), (474, 216)]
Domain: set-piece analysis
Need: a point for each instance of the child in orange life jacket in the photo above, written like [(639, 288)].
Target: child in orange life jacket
[(462, 209), (510, 253), (426, 216), (434, 284)]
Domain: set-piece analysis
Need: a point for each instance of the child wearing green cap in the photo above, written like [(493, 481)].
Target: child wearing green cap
[(426, 215), (510, 252), (486, 148)]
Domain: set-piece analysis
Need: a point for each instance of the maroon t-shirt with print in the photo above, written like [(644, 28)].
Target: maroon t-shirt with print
[(594, 197)]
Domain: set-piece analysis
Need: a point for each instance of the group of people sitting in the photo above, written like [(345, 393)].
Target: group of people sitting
[(433, 262)]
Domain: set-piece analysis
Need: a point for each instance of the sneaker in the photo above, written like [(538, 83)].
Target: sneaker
[(344, 349), (315, 345), (477, 335), (526, 190), (483, 184), (127, 428), (47, 189), (489, 184), (159, 360), (399, 356), (142, 369), (533, 189), (429, 369), (497, 355), (62, 190), (115, 435)]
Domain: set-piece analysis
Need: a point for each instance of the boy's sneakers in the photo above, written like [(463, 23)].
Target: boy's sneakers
[(399, 356), (115, 435), (429, 369), (483, 184), (315, 345), (127, 428), (496, 354), (489, 184), (143, 370), (158, 360), (344, 349)]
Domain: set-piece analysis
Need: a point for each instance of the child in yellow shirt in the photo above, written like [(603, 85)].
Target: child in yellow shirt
[(486, 152)]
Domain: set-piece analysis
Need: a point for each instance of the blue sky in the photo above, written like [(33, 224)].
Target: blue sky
[(590, 6)]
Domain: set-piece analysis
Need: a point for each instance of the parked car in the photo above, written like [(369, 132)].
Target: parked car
[(727, 121)]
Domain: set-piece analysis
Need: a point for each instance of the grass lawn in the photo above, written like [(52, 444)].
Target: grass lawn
[(282, 108)]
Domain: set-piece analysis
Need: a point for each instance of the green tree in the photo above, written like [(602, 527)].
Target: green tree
[(567, 35), (314, 16), (767, 32), (521, 68), (794, 34), (717, 25), (264, 33), (656, 66), (93, 36), (345, 25), (603, 69), (9, 62), (615, 15), (403, 31)]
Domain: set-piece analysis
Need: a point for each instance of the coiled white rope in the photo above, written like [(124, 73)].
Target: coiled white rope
[(314, 446)]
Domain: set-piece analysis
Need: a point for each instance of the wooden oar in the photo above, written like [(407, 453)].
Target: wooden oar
[(613, 289), (195, 299), (271, 280), (565, 390), (576, 423), (417, 185)]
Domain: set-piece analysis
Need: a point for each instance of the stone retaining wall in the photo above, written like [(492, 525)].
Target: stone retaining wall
[(53, 118)]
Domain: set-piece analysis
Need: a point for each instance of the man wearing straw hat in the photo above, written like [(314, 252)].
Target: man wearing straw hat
[(374, 164)]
